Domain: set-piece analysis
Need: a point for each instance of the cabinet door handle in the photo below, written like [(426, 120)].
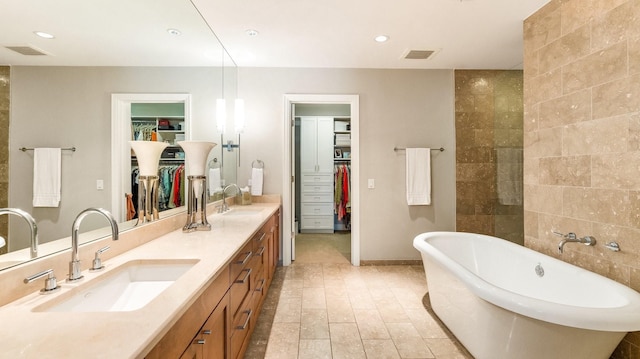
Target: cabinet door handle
[(262, 237), (262, 281), (199, 341), (243, 280), (245, 258), (206, 331), (246, 322), (261, 252)]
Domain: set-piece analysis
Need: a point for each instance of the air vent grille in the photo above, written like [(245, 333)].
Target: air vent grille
[(26, 50), (418, 54)]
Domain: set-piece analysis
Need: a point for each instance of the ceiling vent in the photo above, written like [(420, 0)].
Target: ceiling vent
[(26, 50), (418, 54)]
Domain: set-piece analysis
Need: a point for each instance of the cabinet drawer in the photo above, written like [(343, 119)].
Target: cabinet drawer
[(240, 290), (317, 198), (318, 188), (317, 179), (259, 240), (240, 329), (240, 261), (308, 209), (317, 222)]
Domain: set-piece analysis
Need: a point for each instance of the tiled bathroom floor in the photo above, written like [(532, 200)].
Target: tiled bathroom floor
[(331, 309)]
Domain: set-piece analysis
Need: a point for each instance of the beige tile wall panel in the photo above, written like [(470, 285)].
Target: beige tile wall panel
[(607, 210)]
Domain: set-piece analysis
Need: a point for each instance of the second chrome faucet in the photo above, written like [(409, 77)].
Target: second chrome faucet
[(75, 271), (572, 237)]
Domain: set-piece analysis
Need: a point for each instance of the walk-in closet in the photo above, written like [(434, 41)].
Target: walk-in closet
[(323, 167), (161, 122)]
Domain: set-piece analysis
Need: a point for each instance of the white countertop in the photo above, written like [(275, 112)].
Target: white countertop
[(28, 334)]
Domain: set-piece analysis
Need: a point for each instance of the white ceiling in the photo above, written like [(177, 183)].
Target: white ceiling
[(478, 34), (107, 33)]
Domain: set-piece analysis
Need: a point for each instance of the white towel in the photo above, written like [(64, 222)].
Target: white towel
[(46, 177), (215, 184), (418, 176), (256, 181)]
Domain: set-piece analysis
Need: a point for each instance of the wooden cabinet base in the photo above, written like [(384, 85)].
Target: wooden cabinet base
[(219, 323)]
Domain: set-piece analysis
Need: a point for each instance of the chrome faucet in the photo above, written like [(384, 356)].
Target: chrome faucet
[(224, 207), (572, 237), (32, 226), (74, 265)]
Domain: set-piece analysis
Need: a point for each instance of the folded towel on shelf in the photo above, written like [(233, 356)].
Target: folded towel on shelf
[(418, 168), (215, 184), (257, 175), (46, 177)]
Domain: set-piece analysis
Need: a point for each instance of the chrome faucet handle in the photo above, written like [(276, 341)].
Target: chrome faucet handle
[(97, 262), (50, 283), (569, 235), (588, 240)]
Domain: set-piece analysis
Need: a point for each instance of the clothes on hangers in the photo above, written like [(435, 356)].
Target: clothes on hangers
[(342, 196), (170, 187)]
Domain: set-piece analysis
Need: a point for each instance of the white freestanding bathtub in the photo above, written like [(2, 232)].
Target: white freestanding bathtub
[(502, 300)]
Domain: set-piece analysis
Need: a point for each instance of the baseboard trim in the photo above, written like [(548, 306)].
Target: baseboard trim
[(400, 262)]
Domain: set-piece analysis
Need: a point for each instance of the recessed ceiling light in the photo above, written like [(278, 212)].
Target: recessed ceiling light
[(382, 38), (174, 32), (44, 35), (252, 32)]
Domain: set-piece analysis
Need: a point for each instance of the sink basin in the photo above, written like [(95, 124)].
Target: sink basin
[(128, 287), (242, 212)]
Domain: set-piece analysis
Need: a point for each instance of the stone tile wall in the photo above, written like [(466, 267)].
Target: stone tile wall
[(582, 136), (4, 148), (488, 119)]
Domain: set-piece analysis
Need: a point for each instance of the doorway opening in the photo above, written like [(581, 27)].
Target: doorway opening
[(122, 131), (321, 172)]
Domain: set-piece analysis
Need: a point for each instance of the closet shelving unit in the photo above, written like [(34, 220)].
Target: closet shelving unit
[(342, 146), (167, 128), (342, 155)]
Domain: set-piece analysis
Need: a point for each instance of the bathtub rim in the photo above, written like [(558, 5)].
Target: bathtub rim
[(614, 319)]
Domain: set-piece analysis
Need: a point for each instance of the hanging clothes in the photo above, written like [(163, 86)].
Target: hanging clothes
[(341, 191), (170, 187)]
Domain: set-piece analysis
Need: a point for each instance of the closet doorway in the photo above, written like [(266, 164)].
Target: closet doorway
[(321, 171)]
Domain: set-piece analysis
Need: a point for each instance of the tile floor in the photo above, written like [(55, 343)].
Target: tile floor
[(322, 307)]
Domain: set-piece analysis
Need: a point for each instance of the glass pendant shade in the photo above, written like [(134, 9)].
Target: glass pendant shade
[(196, 153), (148, 155)]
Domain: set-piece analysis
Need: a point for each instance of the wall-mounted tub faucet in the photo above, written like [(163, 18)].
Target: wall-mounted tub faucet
[(74, 265), (32, 226), (572, 237)]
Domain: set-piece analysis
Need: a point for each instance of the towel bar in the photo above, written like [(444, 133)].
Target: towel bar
[(402, 149), (259, 163), (24, 149)]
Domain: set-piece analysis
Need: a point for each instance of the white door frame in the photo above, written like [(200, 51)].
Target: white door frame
[(287, 215), (121, 133)]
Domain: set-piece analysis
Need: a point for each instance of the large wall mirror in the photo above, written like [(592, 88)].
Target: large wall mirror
[(62, 97)]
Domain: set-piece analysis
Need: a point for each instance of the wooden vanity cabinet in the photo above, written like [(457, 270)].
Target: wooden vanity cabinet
[(236, 295), (211, 341), (187, 331)]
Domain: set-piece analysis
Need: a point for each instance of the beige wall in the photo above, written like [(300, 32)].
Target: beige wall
[(582, 136), (404, 108), (71, 106)]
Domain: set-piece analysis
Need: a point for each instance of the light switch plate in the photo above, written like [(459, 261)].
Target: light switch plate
[(99, 184), (371, 183)]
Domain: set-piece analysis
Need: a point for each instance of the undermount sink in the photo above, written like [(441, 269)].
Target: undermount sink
[(242, 212), (128, 287)]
